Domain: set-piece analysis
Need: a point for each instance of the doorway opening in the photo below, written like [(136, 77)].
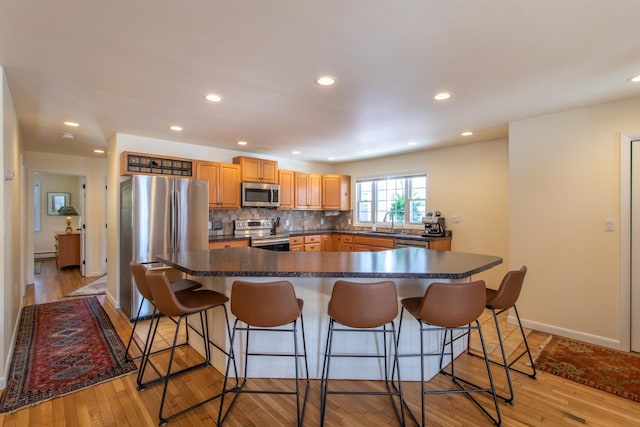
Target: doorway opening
[(57, 208)]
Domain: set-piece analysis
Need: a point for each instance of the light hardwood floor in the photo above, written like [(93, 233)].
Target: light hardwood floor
[(547, 401)]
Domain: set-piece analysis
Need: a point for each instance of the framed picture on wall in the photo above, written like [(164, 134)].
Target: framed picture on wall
[(57, 200)]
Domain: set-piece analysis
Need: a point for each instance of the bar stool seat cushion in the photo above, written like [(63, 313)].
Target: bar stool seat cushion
[(436, 309), (373, 308), (175, 304), (508, 292), (265, 305)]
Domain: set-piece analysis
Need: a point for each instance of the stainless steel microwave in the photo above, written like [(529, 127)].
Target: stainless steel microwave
[(260, 195)]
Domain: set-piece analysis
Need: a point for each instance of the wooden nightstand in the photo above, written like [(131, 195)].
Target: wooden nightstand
[(67, 249)]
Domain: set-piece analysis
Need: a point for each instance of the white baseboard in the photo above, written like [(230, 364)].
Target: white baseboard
[(9, 355), (44, 255), (568, 333)]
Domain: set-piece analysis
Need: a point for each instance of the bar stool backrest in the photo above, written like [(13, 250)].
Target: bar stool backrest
[(451, 305), (509, 289), (265, 305), (363, 305), (163, 296), (138, 272)]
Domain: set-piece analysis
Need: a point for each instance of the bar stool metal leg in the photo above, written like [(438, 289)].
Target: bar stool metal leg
[(363, 308), (501, 301), (434, 313), (271, 308), (181, 305)]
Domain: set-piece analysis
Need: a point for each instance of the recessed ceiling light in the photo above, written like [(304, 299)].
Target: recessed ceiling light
[(635, 79), (213, 97), (98, 151), (467, 133), (68, 135), (242, 142), (442, 96), (412, 143), (175, 128), (331, 158), (295, 152), (366, 152), (325, 80), (72, 124)]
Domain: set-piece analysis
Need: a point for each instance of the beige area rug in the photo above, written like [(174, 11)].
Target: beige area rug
[(97, 287)]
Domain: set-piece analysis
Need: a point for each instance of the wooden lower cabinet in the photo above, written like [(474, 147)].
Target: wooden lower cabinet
[(440, 245), (339, 242), (296, 243), (221, 244), (346, 243), (67, 249), (367, 243), (312, 243)]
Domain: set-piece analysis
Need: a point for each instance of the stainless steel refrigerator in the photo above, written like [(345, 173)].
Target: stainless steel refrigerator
[(158, 215)]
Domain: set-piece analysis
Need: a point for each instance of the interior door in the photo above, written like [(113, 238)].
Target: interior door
[(635, 246)]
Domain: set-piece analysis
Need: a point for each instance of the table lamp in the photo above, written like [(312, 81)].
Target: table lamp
[(69, 211)]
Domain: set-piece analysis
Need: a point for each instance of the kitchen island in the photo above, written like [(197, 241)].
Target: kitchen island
[(313, 275)]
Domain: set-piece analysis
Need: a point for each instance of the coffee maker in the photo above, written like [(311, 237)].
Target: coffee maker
[(433, 224)]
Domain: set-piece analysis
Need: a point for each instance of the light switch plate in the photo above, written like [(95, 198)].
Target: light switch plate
[(609, 224)]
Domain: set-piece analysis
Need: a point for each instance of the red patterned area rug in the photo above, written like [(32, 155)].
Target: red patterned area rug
[(609, 370), (62, 347)]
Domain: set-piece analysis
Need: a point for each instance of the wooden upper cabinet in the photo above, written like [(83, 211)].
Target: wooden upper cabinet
[(257, 170), (287, 189), (315, 191), (224, 183), (336, 192), (308, 190)]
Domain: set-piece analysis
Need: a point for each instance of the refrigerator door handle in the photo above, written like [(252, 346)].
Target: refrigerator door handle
[(175, 211)]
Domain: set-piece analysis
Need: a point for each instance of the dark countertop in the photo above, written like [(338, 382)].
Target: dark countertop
[(409, 263), (223, 237)]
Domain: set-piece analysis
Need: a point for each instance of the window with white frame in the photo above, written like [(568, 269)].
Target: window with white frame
[(391, 200)]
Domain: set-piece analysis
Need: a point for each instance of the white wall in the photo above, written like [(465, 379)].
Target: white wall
[(467, 180), (95, 171), (564, 181), (12, 257)]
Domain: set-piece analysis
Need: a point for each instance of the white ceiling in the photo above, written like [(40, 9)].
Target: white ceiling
[(139, 66)]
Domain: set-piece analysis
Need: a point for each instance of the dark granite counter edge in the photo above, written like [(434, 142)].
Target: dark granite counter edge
[(227, 237), (362, 275)]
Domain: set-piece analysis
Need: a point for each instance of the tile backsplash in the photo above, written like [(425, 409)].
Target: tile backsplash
[(298, 220)]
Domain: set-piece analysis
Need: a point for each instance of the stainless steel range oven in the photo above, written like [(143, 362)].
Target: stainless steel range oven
[(261, 233)]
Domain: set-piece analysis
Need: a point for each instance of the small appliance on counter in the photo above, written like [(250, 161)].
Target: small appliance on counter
[(434, 224)]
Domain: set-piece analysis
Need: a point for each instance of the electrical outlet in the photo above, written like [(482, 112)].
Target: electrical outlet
[(286, 222), (455, 219), (321, 221)]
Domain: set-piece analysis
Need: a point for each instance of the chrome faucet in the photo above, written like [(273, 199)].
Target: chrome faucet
[(392, 221)]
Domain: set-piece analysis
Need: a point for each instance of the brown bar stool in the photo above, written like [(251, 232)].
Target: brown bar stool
[(362, 307), (182, 305), (267, 307), (499, 301), (178, 285), (449, 307)]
